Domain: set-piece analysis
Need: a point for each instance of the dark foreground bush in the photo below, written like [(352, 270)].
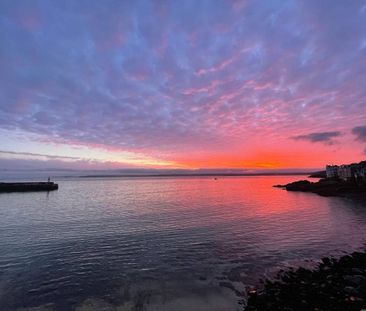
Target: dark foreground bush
[(335, 285)]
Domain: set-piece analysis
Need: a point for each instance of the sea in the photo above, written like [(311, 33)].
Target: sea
[(163, 243)]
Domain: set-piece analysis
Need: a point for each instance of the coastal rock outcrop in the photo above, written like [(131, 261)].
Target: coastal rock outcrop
[(332, 286), (326, 187)]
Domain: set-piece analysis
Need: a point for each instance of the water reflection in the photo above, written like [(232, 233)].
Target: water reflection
[(152, 243)]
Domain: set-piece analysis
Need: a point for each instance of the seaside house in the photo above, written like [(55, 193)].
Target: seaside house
[(348, 172), (345, 172), (331, 171), (359, 173)]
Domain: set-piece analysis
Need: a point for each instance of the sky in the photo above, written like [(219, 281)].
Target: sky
[(249, 85)]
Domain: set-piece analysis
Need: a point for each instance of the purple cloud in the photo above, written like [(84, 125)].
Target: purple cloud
[(323, 137), (181, 76), (360, 133), (31, 154)]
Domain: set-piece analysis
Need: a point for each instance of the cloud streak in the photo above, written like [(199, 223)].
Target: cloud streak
[(360, 133), (210, 81), (31, 154), (322, 137)]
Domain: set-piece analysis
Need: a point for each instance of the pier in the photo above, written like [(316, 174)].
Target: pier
[(28, 186)]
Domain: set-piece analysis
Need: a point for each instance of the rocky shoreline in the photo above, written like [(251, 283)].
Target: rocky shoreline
[(326, 187), (335, 285)]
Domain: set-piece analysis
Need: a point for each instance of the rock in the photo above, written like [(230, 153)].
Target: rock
[(350, 290), (252, 292), (336, 284), (326, 260), (353, 298), (320, 174), (355, 279), (356, 271), (326, 187), (301, 185)]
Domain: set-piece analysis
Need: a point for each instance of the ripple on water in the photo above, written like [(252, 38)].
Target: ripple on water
[(162, 243)]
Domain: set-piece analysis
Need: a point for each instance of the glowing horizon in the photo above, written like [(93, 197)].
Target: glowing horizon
[(182, 85)]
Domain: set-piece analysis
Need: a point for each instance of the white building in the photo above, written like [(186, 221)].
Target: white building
[(331, 171), (345, 172), (354, 171), (361, 172)]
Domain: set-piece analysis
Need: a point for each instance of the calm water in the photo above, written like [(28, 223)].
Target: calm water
[(162, 243)]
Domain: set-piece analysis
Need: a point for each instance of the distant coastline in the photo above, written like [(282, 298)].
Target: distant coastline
[(39, 175), (194, 175)]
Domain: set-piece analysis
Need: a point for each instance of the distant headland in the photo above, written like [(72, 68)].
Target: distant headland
[(339, 180)]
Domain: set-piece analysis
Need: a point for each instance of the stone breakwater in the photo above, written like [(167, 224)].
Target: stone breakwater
[(335, 285), (28, 187)]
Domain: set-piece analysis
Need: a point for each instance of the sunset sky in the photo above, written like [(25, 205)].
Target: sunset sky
[(182, 84)]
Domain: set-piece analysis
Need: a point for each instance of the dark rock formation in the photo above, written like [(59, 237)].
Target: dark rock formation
[(320, 174), (326, 187), (335, 285)]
